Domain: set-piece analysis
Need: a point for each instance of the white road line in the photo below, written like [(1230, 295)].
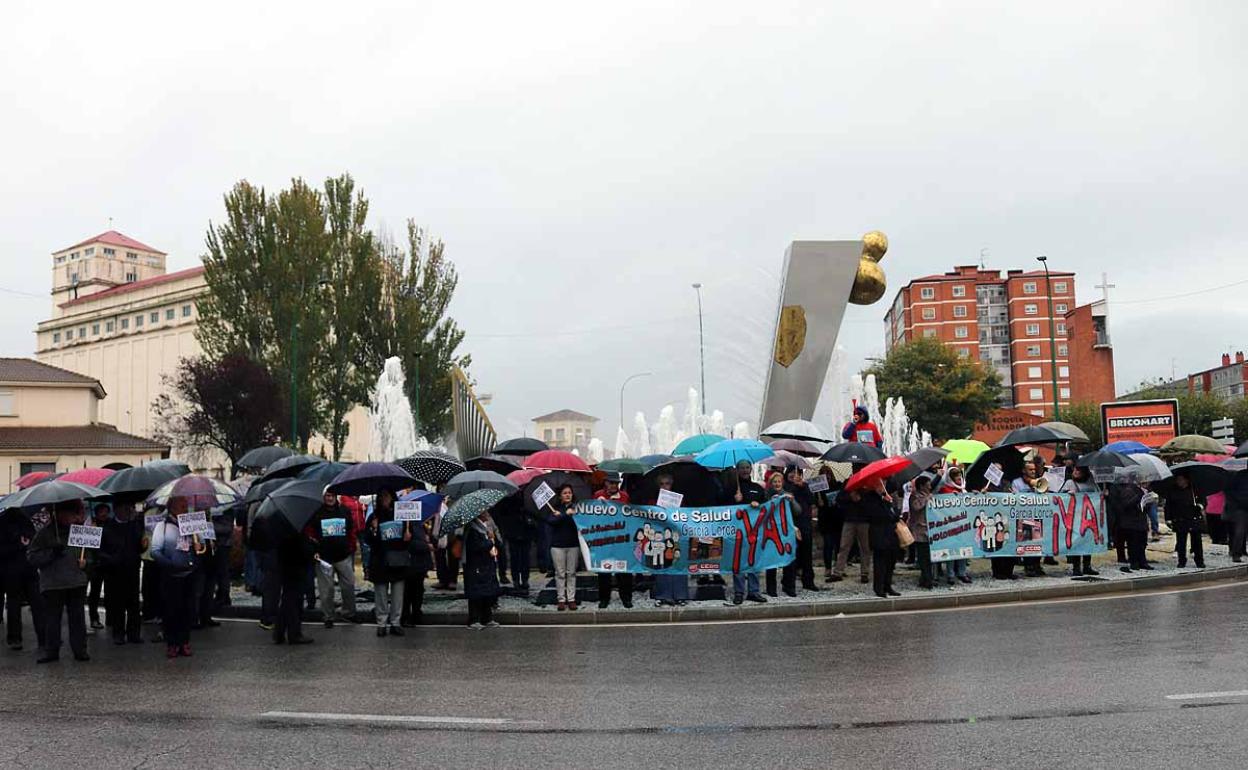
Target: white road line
[(313, 716), (1209, 695)]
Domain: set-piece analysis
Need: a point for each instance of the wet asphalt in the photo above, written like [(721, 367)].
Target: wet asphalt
[(1038, 685)]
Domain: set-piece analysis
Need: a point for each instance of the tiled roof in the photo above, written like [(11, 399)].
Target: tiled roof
[(114, 238), (30, 370), (190, 272), (565, 414), (77, 437)]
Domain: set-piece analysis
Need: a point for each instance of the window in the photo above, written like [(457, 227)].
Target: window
[(6, 403), (927, 292), (88, 251), (1065, 392), (561, 434), (964, 352), (1035, 393), (69, 334), (1030, 309), (110, 252), (138, 320), (154, 317), (959, 311), (959, 291), (1038, 412), (959, 332), (1033, 351), (95, 329), (1033, 372), (82, 331), (548, 435), (131, 277), (929, 313), (131, 255), (1062, 349), (1063, 371), (73, 278), (169, 314), (74, 255), (108, 326), (1059, 287), (60, 259), (56, 336), (125, 323), (1060, 307), (186, 311), (1033, 330), (929, 333), (1029, 287), (1061, 328)]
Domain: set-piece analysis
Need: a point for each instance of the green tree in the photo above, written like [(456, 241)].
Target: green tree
[(1085, 415), (946, 394)]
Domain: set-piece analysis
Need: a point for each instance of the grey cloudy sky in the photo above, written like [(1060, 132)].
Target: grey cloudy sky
[(585, 162)]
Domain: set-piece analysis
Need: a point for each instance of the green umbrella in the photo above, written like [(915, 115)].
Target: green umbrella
[(624, 465), (695, 444), (1194, 443), (964, 450), (469, 507)]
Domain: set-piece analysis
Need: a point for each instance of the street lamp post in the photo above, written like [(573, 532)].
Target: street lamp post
[(701, 347), (627, 380), (1048, 289)]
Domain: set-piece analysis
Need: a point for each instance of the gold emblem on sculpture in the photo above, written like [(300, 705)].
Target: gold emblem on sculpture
[(791, 334), (869, 283)]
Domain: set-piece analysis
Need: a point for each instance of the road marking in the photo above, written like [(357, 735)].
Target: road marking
[(1210, 695), (400, 718)]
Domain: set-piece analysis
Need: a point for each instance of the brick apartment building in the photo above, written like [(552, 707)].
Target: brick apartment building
[(1004, 321), (1228, 382)]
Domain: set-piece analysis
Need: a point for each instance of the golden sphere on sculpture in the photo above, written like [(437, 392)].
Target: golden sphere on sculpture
[(874, 244), (869, 283)]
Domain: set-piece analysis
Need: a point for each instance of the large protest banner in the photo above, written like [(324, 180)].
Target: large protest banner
[(686, 541), (996, 524)]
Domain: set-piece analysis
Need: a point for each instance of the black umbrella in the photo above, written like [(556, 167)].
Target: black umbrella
[(289, 467), (262, 457), (497, 463), (1206, 478), (1009, 458), (919, 462), (520, 447), (1243, 450), (259, 490), (289, 509), (696, 482), (1105, 458), (369, 479), (555, 479), (471, 481), (431, 466), (1034, 434), (854, 452), (135, 484), (50, 493), (324, 472)]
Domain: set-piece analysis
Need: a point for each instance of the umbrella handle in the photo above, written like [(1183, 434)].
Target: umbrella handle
[(200, 548), (82, 557)]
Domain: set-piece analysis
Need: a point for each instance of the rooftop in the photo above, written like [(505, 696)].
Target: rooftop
[(32, 371), (114, 238), (565, 415), (190, 272), (76, 437)]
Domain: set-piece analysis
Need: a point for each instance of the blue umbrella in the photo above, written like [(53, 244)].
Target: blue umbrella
[(1127, 448), (729, 452), (369, 479), (695, 444)]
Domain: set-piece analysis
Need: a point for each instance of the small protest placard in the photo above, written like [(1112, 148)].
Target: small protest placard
[(669, 499), (195, 523), (153, 520), (818, 484), (337, 527), (994, 474), (408, 510), (391, 530), (1103, 475), (1056, 477), (82, 536), (543, 494)]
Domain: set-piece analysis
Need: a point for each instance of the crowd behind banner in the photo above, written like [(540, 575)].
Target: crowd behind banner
[(758, 541)]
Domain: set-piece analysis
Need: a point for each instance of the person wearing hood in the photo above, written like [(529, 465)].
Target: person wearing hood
[(862, 430), (1079, 480), (1124, 504), (1185, 514), (480, 560), (802, 506), (953, 482)]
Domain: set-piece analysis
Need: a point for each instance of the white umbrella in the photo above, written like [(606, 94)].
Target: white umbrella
[(803, 430), (1151, 468)]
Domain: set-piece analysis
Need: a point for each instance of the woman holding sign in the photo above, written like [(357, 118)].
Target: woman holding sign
[(390, 557), (175, 554), (565, 549), (62, 581)]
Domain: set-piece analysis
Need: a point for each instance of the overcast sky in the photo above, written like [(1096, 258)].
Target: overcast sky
[(586, 162)]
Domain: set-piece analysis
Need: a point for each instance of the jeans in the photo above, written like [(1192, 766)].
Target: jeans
[(882, 576), (744, 584), (518, 553), (1180, 546), (252, 576), (180, 605), (345, 570), (565, 561), (71, 600), (1153, 522), (673, 588), (388, 602), (854, 532), (23, 585), (953, 569)]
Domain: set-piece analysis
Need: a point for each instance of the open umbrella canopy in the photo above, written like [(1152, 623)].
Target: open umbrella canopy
[(199, 492), (1034, 434), (696, 482), (430, 502), (729, 452), (695, 444), (783, 459), (471, 481), (1206, 478), (555, 479), (91, 476), (260, 458), (920, 461), (431, 466), (520, 447), (656, 459), (1234, 464), (964, 451), (556, 460), (288, 509), (1151, 468), (469, 507), (523, 476), (1243, 450), (802, 430), (624, 465), (1104, 458), (1127, 447), (369, 479), (840, 471), (1193, 443), (794, 445), (50, 493), (1070, 429), (290, 467), (30, 479), (498, 463), (322, 472), (260, 490), (876, 471), (135, 484), (1009, 458), (853, 452)]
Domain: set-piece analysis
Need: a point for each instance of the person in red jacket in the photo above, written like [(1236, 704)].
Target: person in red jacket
[(624, 581), (862, 430)]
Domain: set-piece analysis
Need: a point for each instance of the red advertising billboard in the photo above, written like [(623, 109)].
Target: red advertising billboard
[(1151, 423)]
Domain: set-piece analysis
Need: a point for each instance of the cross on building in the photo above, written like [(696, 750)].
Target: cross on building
[(1105, 286)]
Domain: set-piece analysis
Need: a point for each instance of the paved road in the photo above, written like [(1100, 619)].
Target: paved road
[(1039, 685)]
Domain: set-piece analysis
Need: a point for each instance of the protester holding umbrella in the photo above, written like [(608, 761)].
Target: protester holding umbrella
[(1185, 513), (332, 536), (1080, 481), (831, 521), (121, 549), (1123, 503), (421, 550), (63, 577), (855, 531), (624, 580), (803, 521), (176, 556), (481, 586), (389, 544), (19, 580), (874, 506)]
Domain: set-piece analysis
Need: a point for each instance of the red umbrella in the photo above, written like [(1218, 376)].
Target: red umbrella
[(31, 479), (92, 476), (520, 478), (877, 471), (556, 460)]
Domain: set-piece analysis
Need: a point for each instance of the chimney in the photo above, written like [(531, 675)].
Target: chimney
[(1239, 357), (1226, 359)]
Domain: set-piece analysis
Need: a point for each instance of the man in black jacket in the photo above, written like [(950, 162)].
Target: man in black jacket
[(19, 580), (121, 550), (801, 505), (745, 491), (332, 536), (294, 559)]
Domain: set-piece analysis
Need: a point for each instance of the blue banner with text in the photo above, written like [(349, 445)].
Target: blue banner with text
[(987, 525)]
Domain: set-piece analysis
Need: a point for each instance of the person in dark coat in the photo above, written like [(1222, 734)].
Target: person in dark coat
[(481, 587), (294, 557), (916, 519), (830, 521), (331, 533), (176, 556), (518, 532), (803, 519), (624, 581), (1185, 513), (1236, 515), (745, 492), (100, 515), (875, 505), (1078, 479), (389, 556), (63, 577), (121, 550), (421, 550), (1124, 501), (18, 578)]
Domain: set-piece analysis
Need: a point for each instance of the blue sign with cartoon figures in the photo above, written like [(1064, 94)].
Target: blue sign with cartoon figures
[(996, 524), (686, 541)]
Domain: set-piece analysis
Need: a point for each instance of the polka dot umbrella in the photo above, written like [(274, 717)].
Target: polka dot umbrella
[(431, 466)]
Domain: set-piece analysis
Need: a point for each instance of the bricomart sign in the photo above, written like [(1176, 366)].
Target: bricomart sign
[(1151, 423)]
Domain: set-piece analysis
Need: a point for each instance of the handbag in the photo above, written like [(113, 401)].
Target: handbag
[(903, 535), (398, 559)]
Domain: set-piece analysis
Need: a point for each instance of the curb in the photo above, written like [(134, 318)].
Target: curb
[(787, 610)]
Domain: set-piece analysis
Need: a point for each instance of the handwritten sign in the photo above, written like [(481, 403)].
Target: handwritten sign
[(408, 510), (1103, 475), (543, 494), (195, 523), (391, 530), (818, 484), (335, 527), (82, 536), (669, 499), (994, 474), (152, 520), (1056, 477)]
